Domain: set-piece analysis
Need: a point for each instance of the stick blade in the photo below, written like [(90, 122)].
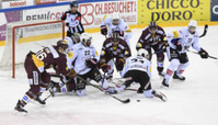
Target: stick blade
[(126, 101)]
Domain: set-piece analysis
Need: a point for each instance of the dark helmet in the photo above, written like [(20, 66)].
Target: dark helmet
[(62, 44), (115, 37), (153, 25), (74, 4)]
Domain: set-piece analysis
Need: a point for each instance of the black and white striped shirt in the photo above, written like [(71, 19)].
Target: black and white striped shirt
[(73, 22)]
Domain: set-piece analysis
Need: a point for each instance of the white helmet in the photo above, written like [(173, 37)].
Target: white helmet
[(85, 38), (115, 16), (193, 23), (143, 52)]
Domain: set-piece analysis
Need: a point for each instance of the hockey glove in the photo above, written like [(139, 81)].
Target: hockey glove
[(203, 54), (72, 73), (92, 62), (104, 67), (120, 64), (178, 46), (103, 30)]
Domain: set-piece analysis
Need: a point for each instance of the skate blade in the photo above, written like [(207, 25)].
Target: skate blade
[(17, 113), (164, 87)]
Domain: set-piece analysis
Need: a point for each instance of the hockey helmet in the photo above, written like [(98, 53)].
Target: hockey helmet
[(74, 4), (75, 37), (115, 18), (143, 52), (86, 39), (152, 26), (62, 46), (192, 25)]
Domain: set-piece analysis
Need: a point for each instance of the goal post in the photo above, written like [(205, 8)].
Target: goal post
[(26, 36)]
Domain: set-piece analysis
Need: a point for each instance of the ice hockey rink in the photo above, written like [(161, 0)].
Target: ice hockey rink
[(192, 102)]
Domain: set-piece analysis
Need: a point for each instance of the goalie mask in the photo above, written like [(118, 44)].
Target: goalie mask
[(153, 27), (76, 37), (62, 46), (115, 39), (86, 39)]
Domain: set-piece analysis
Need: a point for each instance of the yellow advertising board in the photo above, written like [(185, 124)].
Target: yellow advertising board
[(173, 11)]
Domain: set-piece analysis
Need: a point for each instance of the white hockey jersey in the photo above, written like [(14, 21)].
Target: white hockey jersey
[(78, 56), (137, 63), (122, 26), (185, 38)]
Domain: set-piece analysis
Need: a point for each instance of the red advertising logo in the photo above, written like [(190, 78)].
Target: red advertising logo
[(92, 13)]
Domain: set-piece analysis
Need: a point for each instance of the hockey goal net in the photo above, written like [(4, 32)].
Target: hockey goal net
[(26, 36)]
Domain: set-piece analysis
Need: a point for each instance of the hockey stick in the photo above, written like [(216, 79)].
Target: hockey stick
[(212, 57), (97, 87), (205, 31)]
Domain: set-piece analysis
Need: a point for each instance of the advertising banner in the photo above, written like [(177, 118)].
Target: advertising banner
[(49, 13), (17, 3), (39, 2), (92, 13), (7, 18), (173, 10), (214, 10)]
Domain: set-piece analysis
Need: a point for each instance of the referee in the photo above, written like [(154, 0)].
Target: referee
[(73, 19)]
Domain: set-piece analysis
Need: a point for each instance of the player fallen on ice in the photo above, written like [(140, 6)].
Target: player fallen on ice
[(179, 42), (153, 38), (36, 65), (114, 23), (73, 19), (113, 48), (84, 59), (138, 69)]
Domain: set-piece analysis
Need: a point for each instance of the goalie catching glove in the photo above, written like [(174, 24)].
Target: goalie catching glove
[(72, 73), (104, 67), (203, 54)]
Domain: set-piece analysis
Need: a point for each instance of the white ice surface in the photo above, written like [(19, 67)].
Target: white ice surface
[(192, 102)]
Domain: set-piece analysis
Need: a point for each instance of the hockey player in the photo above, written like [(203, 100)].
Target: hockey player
[(36, 64), (74, 39), (73, 19), (179, 42), (138, 69), (113, 48), (153, 38), (84, 59), (115, 24)]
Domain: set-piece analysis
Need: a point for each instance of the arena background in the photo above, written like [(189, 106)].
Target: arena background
[(138, 13)]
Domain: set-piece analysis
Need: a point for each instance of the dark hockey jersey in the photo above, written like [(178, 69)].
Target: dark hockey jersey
[(151, 39)]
